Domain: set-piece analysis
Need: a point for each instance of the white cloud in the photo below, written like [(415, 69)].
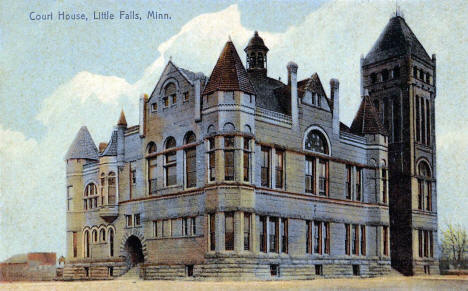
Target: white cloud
[(329, 41)]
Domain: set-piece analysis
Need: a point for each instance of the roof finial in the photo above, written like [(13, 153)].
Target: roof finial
[(170, 58), (398, 11), (229, 37)]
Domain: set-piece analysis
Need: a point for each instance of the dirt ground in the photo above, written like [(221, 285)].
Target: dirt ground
[(399, 283)]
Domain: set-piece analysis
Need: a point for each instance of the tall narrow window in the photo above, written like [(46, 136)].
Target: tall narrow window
[(265, 167), (323, 177), (90, 196), (273, 234), (212, 232), (326, 237), (385, 240), (169, 92), (355, 242), (428, 123), (152, 167), (170, 163), (309, 237), (317, 237), (263, 234), (423, 121), (75, 244), (246, 155), (426, 243), (363, 240), (86, 244), (185, 228), (69, 197), (229, 231), (229, 158), (424, 187), (279, 168), (358, 184), (190, 162), (418, 119), (420, 243), (284, 235), (111, 242), (247, 224), (348, 182), (211, 160), (347, 239), (431, 245), (103, 187), (111, 189), (155, 228), (384, 186), (310, 175)]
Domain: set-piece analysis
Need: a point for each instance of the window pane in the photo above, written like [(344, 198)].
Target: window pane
[(265, 167), (279, 169), (273, 235), (191, 167), (229, 231), (246, 231), (229, 165)]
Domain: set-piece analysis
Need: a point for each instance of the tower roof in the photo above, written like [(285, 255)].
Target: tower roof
[(83, 146), (396, 39), (122, 121), (229, 73), (256, 42), (366, 120)]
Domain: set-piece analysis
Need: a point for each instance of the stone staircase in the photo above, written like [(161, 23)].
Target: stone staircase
[(132, 274)]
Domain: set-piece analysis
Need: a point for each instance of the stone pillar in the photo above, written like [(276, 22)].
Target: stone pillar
[(238, 160), (292, 81), (335, 97), (197, 87), (219, 154)]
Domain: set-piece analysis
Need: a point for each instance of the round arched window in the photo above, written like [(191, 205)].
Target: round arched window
[(151, 147), (170, 142), (190, 137), (316, 142)]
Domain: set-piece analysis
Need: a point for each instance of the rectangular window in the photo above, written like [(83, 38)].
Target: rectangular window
[(191, 167), (186, 96), (212, 161), (246, 159), (262, 234), (154, 107), (308, 237), (355, 237), (212, 231), (229, 158), (363, 240), (279, 168), (428, 195), (284, 235), (69, 197), (128, 218), (265, 167), (193, 225), (273, 234), (274, 270), (385, 240), (428, 123), (229, 231), (133, 176), (247, 231), (317, 237), (75, 244), (326, 237), (423, 121), (185, 229), (171, 168), (152, 172), (426, 244), (110, 271), (347, 239), (323, 177), (310, 175), (189, 270), (356, 270), (155, 228), (137, 219), (384, 186), (358, 184), (420, 243), (348, 181)]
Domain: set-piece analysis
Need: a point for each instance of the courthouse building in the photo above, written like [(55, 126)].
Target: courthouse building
[(238, 175)]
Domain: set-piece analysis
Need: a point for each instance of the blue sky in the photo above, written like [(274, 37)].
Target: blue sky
[(56, 76)]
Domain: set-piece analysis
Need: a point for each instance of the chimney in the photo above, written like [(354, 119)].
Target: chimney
[(143, 100), (197, 85), (292, 81), (335, 97)]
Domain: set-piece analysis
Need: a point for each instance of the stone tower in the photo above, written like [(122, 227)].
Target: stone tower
[(401, 80)]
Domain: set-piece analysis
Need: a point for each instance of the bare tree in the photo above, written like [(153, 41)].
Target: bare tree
[(454, 242)]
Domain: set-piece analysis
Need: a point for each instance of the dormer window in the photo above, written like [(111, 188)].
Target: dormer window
[(154, 107), (186, 96)]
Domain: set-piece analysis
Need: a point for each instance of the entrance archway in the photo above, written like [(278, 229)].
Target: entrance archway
[(134, 251)]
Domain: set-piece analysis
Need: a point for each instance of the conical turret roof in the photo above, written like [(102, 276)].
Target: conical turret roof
[(396, 39), (229, 73), (83, 146), (367, 120), (122, 121)]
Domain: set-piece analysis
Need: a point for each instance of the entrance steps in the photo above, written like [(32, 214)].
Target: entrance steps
[(132, 274)]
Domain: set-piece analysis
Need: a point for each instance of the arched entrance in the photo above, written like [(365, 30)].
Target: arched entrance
[(134, 251)]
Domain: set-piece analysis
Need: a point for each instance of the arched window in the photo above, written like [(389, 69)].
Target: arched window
[(170, 94), (111, 189), (211, 129), (111, 242), (102, 235), (95, 236), (424, 186), (90, 196), (103, 186), (316, 169), (170, 162), (252, 60), (247, 128), (373, 78), (229, 127), (86, 244), (152, 167), (190, 161), (316, 142), (260, 60)]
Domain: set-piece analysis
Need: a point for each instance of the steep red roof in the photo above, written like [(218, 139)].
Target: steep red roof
[(122, 121), (229, 73), (367, 120)]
